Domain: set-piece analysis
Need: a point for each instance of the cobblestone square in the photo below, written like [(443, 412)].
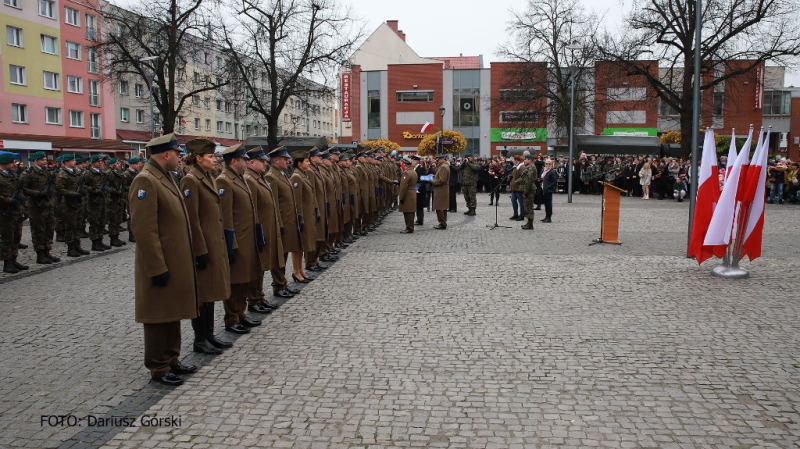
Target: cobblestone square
[(468, 337)]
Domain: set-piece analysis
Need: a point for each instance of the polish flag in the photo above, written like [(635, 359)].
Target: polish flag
[(707, 196), (426, 127), (720, 229), (756, 190), (731, 153)]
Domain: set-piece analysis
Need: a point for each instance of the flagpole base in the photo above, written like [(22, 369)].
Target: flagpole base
[(721, 271)]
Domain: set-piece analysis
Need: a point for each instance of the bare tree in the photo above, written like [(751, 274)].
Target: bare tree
[(552, 39), (284, 49), (163, 40), (737, 37)]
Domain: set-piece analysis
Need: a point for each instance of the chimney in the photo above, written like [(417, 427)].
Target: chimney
[(392, 24), (402, 35)]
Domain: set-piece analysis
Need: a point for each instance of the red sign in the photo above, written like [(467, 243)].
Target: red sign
[(346, 96), (759, 86)]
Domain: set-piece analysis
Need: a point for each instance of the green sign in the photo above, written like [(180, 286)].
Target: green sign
[(519, 134), (635, 132)]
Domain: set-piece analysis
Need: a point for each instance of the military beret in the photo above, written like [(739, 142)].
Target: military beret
[(36, 156), (280, 152), (163, 143), (6, 158), (257, 153), (95, 158), (234, 151), (134, 160), (113, 160), (201, 146), (528, 156), (68, 157), (59, 159), (78, 159)]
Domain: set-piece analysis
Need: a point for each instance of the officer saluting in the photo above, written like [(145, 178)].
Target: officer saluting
[(165, 265)]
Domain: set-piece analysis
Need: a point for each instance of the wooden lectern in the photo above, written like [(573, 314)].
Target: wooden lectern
[(609, 214)]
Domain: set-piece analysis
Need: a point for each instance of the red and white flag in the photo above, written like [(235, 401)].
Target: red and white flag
[(426, 127), (721, 228), (707, 196), (731, 153), (755, 189)]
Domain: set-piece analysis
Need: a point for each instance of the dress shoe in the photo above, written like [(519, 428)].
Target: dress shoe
[(19, 265), (363, 233), (22, 246), (514, 217), (258, 308), (546, 220), (283, 294), (328, 258), (247, 322), (292, 290), (520, 218), (301, 281), (440, 227), (60, 238), (221, 344), (313, 268), (321, 266), (169, 379), (237, 329), (205, 347), (51, 257), (267, 306), (407, 231), (183, 369)]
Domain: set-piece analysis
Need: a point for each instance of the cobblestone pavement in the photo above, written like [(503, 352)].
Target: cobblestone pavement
[(468, 337)]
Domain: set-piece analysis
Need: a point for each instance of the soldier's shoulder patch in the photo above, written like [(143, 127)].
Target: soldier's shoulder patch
[(141, 194), (221, 192), (269, 184), (187, 193), (295, 185)]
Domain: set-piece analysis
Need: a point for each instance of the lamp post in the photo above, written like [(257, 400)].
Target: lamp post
[(572, 74), (439, 146), (150, 87), (695, 116)]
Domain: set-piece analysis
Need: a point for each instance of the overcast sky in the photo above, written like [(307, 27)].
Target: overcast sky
[(453, 27)]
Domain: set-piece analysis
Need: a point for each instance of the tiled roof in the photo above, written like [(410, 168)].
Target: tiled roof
[(71, 143), (459, 62)]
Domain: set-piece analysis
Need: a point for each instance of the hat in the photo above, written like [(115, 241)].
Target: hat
[(279, 152), (134, 160), (441, 156), (36, 156), (528, 156), (379, 158), (344, 157), (361, 154), (6, 158), (59, 159), (95, 158), (369, 154), (379, 150), (234, 151), (333, 149), (257, 153), (313, 152), (68, 157), (78, 159), (414, 157), (113, 160), (300, 154), (201, 146), (104, 156), (325, 154), (163, 143)]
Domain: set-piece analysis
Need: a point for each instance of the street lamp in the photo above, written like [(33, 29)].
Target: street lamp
[(441, 131), (572, 74), (150, 86)]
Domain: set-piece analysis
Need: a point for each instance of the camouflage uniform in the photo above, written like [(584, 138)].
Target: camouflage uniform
[(10, 215), (67, 184), (96, 186), (469, 172), (528, 181), (115, 206), (127, 179), (40, 189)]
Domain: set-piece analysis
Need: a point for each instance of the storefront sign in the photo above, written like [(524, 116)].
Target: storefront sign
[(408, 135), (759, 86), (519, 134), (346, 96), (632, 132)]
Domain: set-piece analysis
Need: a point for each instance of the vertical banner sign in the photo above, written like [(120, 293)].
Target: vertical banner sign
[(346, 96), (759, 86)]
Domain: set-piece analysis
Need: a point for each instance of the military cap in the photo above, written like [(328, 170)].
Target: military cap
[(379, 150), (325, 154), (279, 152), (104, 156), (36, 156), (95, 158), (113, 160), (68, 157), (6, 158), (441, 156), (300, 154), (313, 152), (361, 154), (379, 158), (134, 160), (414, 157), (201, 146), (257, 153), (234, 151), (344, 157), (334, 150), (369, 154), (163, 143)]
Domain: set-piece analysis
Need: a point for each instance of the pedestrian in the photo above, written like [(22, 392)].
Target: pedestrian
[(201, 196), (645, 177), (679, 189), (517, 201), (549, 184), (408, 193), (165, 278), (469, 173), (441, 191), (528, 183)]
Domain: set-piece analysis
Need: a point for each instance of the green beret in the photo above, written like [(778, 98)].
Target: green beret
[(6, 158), (68, 157), (60, 159), (36, 156), (113, 160), (95, 158), (528, 156), (134, 160), (78, 159)]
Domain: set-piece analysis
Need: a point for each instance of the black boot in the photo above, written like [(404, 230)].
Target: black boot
[(528, 225), (208, 320), (97, 245), (104, 245), (84, 234), (116, 242), (471, 212), (51, 257), (200, 342), (60, 238), (131, 238), (22, 246), (42, 259), (9, 267), (79, 249), (71, 251), (19, 265)]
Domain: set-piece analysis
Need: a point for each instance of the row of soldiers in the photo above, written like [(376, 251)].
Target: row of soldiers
[(60, 200), (214, 237)]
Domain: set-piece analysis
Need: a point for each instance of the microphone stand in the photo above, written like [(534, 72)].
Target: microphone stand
[(496, 203)]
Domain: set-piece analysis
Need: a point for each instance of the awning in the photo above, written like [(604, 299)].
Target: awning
[(32, 142)]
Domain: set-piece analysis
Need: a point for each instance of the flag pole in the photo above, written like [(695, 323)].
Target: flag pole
[(695, 118)]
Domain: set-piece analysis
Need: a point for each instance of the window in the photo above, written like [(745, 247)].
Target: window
[(665, 108), (140, 116), (17, 75), (219, 126), (227, 106), (74, 84), (124, 114), (91, 57), (91, 27), (719, 103), (49, 44), (51, 81), (518, 117), (206, 57), (777, 102), (94, 121), (247, 130), (94, 93), (138, 90), (196, 77), (14, 36), (219, 105), (120, 30), (73, 51), (197, 123), (123, 87), (626, 93), (228, 127), (414, 95), (206, 102), (255, 130), (12, 3), (47, 8), (374, 108), (195, 100), (52, 116), (71, 16), (208, 124), (76, 119), (19, 113)]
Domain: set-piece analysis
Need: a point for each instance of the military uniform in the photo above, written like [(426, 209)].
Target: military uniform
[(312, 254), (39, 186), (469, 173), (441, 193), (69, 185), (96, 185), (11, 200), (290, 232), (528, 183), (127, 179), (408, 197), (115, 207)]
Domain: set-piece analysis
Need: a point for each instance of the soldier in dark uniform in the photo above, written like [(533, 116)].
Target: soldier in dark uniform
[(58, 208), (11, 198), (96, 185), (528, 185), (81, 164), (134, 166), (422, 194), (469, 173), (115, 206), (69, 188), (41, 191)]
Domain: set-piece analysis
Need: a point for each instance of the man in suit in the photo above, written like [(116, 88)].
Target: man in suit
[(239, 220), (408, 193), (165, 279), (441, 191)]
